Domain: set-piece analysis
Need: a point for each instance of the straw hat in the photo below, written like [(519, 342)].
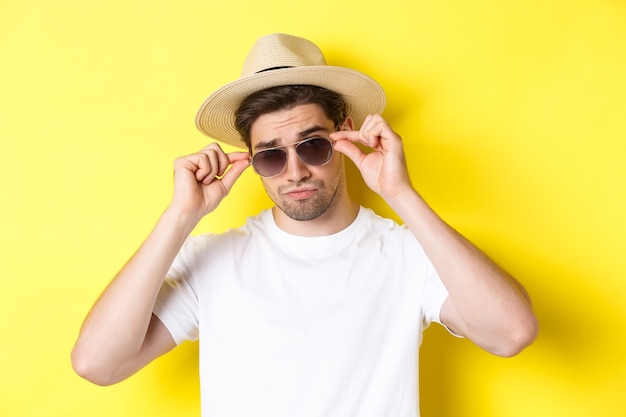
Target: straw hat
[(281, 59)]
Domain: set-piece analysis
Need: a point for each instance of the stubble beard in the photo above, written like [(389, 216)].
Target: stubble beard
[(310, 208)]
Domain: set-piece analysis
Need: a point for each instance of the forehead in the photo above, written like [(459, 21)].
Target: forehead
[(286, 125)]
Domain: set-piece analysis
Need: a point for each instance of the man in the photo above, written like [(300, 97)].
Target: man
[(315, 307)]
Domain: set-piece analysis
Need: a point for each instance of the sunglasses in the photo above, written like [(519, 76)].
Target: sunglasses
[(271, 162)]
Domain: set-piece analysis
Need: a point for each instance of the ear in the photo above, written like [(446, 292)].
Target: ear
[(347, 124)]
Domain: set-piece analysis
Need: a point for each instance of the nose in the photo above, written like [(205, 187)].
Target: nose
[(296, 170)]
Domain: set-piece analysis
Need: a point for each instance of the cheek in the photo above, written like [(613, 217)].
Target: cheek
[(267, 185), (336, 166)]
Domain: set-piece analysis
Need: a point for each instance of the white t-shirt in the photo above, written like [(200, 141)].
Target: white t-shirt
[(304, 326)]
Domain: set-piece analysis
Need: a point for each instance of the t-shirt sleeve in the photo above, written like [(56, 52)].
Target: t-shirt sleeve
[(432, 291), (177, 302), (435, 293), (433, 297)]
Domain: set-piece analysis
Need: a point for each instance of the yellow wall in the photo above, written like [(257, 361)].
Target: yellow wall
[(514, 119)]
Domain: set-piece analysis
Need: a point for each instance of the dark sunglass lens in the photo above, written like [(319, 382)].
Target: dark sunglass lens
[(316, 151), (269, 163)]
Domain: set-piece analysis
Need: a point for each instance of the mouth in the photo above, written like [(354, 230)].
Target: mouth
[(300, 193)]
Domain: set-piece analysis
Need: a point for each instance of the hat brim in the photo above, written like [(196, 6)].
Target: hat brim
[(216, 116)]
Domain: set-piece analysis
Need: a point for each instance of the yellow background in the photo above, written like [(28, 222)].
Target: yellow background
[(513, 114)]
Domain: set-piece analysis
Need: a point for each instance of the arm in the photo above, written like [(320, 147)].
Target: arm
[(120, 334), (485, 304)]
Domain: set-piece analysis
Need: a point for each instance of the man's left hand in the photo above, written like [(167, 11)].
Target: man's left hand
[(383, 169)]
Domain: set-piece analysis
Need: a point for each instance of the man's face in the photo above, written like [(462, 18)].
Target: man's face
[(303, 192)]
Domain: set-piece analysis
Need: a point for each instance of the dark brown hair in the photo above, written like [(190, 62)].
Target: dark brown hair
[(285, 97)]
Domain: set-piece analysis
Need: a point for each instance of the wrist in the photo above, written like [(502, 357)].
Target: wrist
[(180, 219), (402, 196), (407, 202)]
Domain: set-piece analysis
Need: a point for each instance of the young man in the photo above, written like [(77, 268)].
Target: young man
[(315, 307)]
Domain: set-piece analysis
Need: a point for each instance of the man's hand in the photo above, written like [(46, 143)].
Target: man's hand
[(120, 334), (203, 179), (384, 169), (485, 303)]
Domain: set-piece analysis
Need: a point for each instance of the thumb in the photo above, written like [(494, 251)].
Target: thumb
[(234, 172), (351, 150)]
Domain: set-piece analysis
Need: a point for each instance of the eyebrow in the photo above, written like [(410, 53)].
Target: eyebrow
[(272, 143)]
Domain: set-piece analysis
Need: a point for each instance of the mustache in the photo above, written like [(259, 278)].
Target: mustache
[(318, 184)]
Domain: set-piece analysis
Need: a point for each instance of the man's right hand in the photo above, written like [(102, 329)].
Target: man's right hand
[(121, 334), (203, 179)]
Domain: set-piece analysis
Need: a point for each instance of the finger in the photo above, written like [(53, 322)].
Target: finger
[(234, 172), (206, 163), (212, 162), (238, 156), (367, 124), (351, 150), (230, 159), (196, 164), (224, 160), (351, 135), (372, 130)]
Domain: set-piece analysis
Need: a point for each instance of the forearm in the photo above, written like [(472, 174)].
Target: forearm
[(493, 308), (485, 303), (115, 329)]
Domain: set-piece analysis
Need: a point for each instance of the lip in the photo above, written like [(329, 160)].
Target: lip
[(300, 193)]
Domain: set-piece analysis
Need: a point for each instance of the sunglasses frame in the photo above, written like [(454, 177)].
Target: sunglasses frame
[(295, 145)]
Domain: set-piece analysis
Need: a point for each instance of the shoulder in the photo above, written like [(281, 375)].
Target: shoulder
[(227, 240), (379, 225), (393, 236)]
